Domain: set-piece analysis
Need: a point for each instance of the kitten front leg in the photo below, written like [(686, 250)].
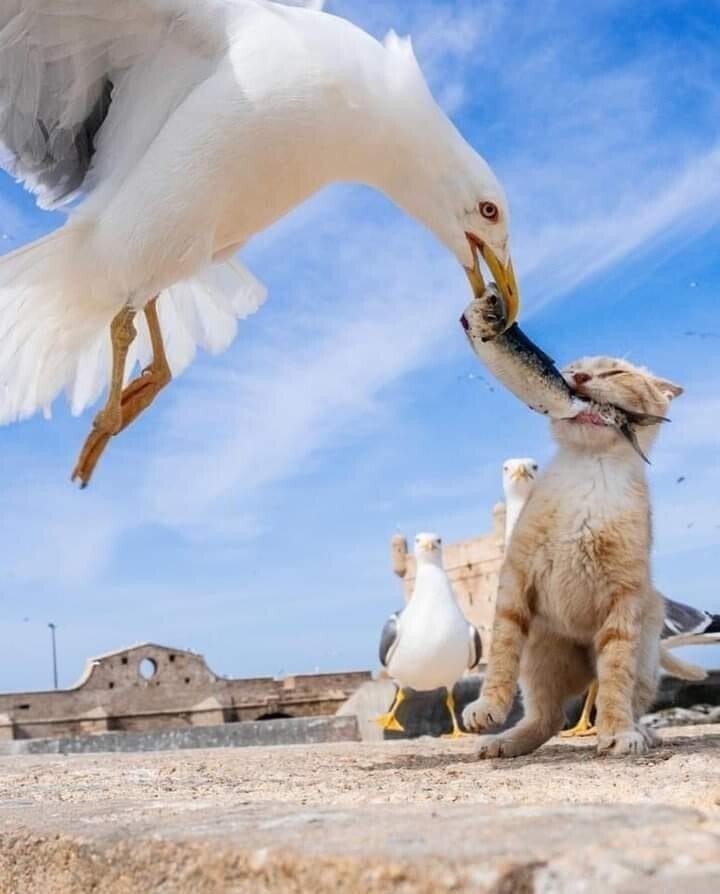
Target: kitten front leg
[(510, 630), (616, 649)]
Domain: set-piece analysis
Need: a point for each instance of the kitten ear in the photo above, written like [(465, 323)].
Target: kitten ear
[(669, 389)]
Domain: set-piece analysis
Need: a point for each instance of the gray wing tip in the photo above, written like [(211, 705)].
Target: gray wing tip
[(388, 638)]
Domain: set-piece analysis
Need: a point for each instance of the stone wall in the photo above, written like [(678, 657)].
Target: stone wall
[(155, 687), (473, 567)]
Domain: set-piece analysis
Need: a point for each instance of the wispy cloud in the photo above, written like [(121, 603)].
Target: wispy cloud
[(607, 141)]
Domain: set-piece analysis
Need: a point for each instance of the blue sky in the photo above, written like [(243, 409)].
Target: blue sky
[(248, 515)]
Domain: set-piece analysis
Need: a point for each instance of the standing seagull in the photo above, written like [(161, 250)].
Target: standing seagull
[(428, 644), (186, 127), (518, 481)]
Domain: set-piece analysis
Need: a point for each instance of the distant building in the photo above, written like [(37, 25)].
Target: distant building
[(154, 687), (473, 567)]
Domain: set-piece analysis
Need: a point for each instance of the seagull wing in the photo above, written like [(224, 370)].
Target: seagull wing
[(389, 638), (475, 647), (85, 85), (685, 619)]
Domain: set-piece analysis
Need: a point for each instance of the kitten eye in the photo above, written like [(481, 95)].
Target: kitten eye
[(489, 210), (612, 372)]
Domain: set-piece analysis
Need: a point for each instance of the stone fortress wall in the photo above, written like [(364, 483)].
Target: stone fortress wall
[(149, 686), (155, 687)]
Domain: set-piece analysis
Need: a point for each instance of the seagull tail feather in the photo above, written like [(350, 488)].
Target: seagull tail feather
[(199, 312), (55, 317), (683, 670), (48, 314)]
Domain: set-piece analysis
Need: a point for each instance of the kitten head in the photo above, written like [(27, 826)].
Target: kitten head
[(607, 380)]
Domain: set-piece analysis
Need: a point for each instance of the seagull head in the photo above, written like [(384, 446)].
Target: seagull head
[(485, 224), (428, 549), (519, 477)]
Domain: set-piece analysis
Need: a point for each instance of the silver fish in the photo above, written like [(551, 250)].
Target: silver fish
[(531, 375)]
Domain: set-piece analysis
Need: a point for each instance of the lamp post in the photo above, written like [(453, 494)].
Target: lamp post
[(54, 653)]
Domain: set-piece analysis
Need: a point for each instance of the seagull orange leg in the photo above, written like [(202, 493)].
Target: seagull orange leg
[(389, 720), (584, 727), (456, 733), (125, 405), (109, 420)]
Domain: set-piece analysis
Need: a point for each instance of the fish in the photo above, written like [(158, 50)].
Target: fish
[(532, 375)]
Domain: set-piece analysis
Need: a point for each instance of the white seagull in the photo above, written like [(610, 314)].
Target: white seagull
[(180, 129), (518, 480), (429, 644)]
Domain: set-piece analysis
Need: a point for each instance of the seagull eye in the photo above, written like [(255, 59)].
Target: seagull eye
[(489, 211), (534, 467)]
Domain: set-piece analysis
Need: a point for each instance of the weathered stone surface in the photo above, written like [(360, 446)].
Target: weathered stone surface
[(412, 817), (7, 727), (300, 731)]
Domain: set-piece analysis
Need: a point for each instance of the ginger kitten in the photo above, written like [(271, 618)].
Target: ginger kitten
[(576, 599)]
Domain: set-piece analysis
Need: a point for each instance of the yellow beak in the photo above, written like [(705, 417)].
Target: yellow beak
[(504, 277), (520, 474)]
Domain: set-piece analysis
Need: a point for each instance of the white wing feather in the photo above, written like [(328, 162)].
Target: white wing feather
[(85, 87)]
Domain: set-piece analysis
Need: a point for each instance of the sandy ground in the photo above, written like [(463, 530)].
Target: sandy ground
[(684, 772), (343, 803)]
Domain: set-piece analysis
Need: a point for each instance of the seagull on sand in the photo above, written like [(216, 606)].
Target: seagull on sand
[(428, 644), (178, 129)]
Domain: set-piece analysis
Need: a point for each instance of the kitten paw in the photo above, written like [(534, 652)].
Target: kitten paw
[(483, 713), (622, 743), (492, 746)]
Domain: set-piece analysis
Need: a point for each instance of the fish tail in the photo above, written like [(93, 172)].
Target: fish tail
[(629, 434), (644, 419)]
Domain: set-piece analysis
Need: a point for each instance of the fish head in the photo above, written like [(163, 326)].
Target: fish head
[(486, 316), (501, 269)]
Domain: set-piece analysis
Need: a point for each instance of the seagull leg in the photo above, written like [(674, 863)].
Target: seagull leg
[(389, 720), (584, 727), (456, 733), (143, 390), (125, 405), (109, 420)]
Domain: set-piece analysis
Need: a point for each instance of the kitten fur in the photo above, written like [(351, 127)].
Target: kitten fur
[(576, 599)]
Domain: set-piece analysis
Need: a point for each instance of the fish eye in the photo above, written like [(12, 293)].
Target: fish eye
[(489, 211)]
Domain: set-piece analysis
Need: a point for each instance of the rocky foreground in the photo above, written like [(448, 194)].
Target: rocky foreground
[(421, 816)]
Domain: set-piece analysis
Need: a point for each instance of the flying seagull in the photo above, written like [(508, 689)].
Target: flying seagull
[(428, 644), (178, 129)]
